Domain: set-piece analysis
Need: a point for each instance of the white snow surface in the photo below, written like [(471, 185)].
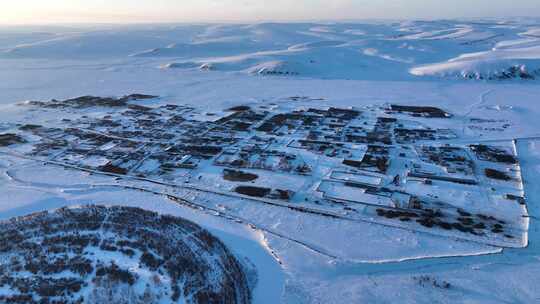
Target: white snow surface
[(522, 53), (213, 67)]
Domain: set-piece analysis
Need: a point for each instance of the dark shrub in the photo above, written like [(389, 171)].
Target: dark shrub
[(496, 174)]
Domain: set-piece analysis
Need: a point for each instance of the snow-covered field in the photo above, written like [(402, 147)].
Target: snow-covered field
[(484, 72)]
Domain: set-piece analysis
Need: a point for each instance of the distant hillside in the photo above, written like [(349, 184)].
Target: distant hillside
[(383, 50)]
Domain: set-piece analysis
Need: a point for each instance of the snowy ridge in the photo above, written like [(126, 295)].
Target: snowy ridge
[(369, 50), (509, 59)]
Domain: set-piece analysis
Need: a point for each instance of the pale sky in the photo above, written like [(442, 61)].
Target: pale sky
[(142, 11)]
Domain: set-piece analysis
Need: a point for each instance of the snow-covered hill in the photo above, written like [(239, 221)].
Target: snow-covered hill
[(509, 59), (370, 50)]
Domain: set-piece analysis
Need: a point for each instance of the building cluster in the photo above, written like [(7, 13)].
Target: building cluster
[(372, 156)]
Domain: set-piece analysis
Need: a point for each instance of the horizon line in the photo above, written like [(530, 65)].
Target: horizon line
[(258, 21)]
